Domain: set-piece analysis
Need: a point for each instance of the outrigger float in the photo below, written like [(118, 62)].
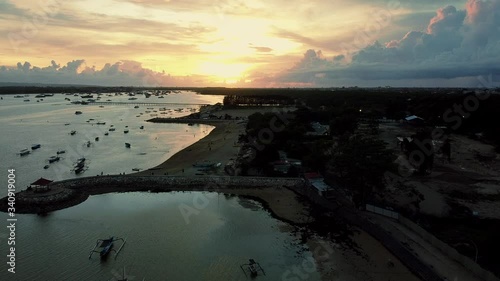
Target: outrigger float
[(106, 246), (252, 268)]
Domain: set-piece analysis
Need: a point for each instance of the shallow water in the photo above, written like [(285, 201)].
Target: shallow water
[(25, 123), (162, 243)]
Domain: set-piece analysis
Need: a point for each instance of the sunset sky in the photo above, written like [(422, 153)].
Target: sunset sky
[(280, 43)]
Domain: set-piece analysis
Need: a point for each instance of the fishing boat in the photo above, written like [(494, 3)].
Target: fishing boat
[(97, 139), (204, 165), (72, 133), (53, 159), (253, 268), (24, 152), (46, 167), (127, 145), (141, 127), (106, 133), (61, 151), (125, 131), (79, 170), (112, 129), (36, 146), (87, 96), (101, 123), (78, 112), (136, 106), (106, 246)]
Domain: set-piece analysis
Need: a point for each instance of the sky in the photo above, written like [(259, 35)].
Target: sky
[(236, 43)]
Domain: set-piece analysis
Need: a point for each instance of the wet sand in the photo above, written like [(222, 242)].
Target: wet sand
[(219, 146), (369, 262)]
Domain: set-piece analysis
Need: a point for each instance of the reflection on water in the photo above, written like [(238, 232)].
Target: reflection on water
[(50, 122), (219, 237)]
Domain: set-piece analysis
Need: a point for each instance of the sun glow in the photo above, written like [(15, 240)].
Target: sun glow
[(224, 71)]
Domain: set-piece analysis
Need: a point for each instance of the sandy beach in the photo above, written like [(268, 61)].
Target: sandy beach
[(219, 146), (358, 257), (369, 261)]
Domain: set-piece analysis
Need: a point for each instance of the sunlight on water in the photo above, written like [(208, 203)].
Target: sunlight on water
[(160, 245), (49, 123)]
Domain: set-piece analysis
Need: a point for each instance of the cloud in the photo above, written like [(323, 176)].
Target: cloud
[(457, 45), (122, 73), (7, 8), (261, 49)]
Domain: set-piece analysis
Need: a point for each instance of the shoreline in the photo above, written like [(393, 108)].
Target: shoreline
[(220, 146)]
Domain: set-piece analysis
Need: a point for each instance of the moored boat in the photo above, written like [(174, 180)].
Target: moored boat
[(24, 152), (53, 159), (36, 146)]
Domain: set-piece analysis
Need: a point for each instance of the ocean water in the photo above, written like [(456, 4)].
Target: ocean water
[(49, 122), (161, 242)]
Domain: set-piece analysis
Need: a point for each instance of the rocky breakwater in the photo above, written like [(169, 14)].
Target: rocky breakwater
[(71, 192), (41, 202)]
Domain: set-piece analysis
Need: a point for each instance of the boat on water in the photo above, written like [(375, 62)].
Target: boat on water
[(136, 106), (97, 139), (79, 170), (127, 145), (112, 129), (132, 98), (106, 246), (87, 96), (72, 133), (125, 131), (101, 123), (80, 162), (53, 159), (106, 133), (253, 268), (24, 152), (141, 127), (26, 100), (136, 169), (204, 165), (78, 112), (36, 146), (61, 151), (46, 167)]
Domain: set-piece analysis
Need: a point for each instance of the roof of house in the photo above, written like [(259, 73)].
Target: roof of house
[(41, 181), (320, 185), (413, 117)]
